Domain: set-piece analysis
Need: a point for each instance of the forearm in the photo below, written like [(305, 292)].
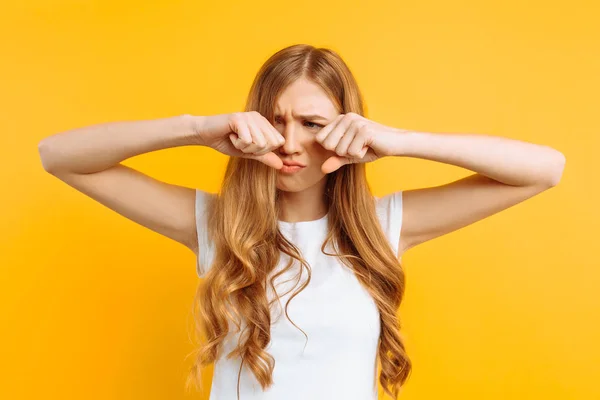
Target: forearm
[(506, 160), (98, 147)]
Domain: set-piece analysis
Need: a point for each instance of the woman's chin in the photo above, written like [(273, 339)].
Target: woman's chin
[(285, 184)]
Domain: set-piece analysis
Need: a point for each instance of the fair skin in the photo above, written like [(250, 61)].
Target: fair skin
[(507, 171), (302, 195)]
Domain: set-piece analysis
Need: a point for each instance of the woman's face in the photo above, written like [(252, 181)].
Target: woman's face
[(302, 109)]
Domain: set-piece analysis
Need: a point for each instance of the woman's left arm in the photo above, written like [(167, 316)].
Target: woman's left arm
[(507, 172), (508, 161)]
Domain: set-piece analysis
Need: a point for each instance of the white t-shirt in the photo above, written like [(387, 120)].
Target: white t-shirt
[(337, 314)]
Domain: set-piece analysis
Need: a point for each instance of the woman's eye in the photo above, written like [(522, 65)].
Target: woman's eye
[(314, 125), (310, 124)]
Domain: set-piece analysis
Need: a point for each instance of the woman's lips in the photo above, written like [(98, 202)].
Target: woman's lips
[(290, 169)]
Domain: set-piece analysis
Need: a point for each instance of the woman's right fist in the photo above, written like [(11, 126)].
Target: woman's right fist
[(240, 134)]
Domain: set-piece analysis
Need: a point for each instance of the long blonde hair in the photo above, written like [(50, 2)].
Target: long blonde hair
[(248, 242)]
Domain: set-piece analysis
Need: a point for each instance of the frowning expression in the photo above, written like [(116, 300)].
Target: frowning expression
[(301, 110)]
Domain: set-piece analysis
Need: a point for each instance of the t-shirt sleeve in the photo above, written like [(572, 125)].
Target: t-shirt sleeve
[(205, 246), (389, 211)]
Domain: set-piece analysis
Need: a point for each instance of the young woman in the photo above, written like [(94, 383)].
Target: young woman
[(295, 220)]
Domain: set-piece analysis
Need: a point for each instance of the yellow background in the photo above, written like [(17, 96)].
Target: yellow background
[(96, 307)]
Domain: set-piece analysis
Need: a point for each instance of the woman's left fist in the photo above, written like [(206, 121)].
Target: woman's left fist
[(356, 139)]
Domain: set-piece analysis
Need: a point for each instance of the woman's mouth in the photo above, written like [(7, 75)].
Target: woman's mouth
[(290, 169)]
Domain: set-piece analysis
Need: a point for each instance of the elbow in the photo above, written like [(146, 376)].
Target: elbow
[(46, 157), (558, 166)]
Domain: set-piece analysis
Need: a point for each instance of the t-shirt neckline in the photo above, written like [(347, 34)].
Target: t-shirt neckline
[(304, 223)]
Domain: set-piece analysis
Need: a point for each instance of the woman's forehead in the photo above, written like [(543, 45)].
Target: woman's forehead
[(304, 106)]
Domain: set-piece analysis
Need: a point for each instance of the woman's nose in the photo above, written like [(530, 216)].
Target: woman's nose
[(291, 144)]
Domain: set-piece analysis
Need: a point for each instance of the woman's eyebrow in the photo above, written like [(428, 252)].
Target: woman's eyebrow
[(307, 116)]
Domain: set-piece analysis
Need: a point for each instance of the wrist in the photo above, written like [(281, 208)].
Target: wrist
[(400, 146), (193, 126), (409, 141)]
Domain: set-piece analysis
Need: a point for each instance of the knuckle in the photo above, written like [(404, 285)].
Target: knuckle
[(236, 117), (355, 125)]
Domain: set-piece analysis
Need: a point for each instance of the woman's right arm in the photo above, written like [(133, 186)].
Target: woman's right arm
[(88, 159)]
